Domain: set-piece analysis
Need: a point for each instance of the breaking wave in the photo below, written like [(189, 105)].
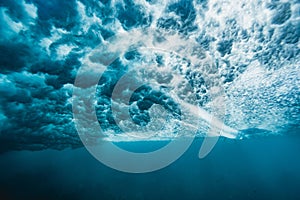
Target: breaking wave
[(230, 64)]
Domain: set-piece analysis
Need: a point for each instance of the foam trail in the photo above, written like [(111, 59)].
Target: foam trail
[(214, 122)]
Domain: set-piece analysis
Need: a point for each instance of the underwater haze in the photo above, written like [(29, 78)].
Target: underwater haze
[(222, 76)]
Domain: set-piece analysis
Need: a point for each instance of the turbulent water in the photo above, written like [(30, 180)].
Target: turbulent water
[(237, 60)]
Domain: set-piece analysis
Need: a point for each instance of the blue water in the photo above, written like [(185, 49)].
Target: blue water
[(265, 168), (140, 74)]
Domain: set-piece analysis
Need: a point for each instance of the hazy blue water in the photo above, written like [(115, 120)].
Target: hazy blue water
[(264, 168)]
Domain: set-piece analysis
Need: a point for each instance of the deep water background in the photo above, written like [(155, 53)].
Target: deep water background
[(264, 168)]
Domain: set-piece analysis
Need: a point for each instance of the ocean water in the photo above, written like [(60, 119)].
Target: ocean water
[(264, 168), (149, 99)]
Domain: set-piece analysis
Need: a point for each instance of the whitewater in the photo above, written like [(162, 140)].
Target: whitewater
[(227, 64)]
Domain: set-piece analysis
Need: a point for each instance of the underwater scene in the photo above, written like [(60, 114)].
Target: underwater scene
[(150, 99)]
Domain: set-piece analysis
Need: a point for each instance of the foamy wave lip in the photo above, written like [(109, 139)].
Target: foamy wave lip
[(254, 46), (173, 77)]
